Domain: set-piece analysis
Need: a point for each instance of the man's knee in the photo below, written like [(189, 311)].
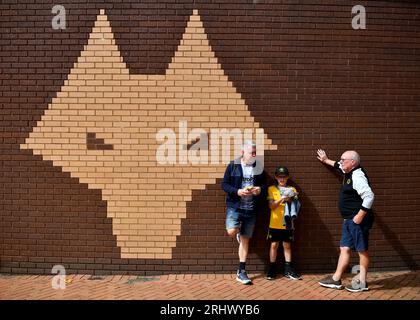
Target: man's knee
[(232, 232), (345, 250)]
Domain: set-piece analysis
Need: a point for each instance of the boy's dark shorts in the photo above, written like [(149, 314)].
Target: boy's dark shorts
[(280, 235), (356, 236)]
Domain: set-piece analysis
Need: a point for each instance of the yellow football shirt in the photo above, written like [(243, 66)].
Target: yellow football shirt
[(276, 218)]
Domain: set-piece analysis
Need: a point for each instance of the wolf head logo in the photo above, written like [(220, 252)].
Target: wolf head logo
[(103, 126)]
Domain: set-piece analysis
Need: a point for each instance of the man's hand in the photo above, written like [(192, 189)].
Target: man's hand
[(244, 192), (358, 218), (256, 191), (322, 156)]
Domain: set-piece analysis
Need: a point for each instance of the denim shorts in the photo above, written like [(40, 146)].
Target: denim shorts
[(356, 236), (237, 220)]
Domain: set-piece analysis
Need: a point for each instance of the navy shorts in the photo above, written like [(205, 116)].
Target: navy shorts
[(244, 222), (356, 236)]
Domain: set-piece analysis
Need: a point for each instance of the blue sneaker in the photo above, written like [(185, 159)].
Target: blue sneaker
[(242, 277)]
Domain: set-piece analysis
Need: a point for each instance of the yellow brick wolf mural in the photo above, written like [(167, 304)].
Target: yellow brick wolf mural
[(105, 128)]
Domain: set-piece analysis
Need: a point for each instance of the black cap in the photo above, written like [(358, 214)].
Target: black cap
[(281, 171)]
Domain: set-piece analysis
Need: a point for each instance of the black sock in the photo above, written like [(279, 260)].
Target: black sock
[(287, 266), (242, 265)]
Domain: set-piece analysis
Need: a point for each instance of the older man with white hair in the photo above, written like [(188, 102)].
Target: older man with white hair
[(355, 204)]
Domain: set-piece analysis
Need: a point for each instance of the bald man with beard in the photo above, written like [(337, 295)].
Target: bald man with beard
[(355, 204)]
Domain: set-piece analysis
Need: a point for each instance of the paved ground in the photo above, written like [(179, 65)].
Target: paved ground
[(402, 285)]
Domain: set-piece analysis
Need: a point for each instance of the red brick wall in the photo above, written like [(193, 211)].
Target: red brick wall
[(306, 76)]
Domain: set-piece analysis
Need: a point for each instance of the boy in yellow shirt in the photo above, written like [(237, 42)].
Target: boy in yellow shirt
[(279, 230)]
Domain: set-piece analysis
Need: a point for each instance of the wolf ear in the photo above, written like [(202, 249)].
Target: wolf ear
[(101, 56), (194, 52)]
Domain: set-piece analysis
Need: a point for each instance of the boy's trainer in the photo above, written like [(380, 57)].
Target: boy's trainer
[(291, 274), (271, 274)]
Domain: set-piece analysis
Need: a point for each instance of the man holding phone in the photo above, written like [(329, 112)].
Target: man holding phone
[(244, 186)]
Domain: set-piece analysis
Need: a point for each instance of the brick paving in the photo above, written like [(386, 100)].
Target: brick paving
[(401, 285)]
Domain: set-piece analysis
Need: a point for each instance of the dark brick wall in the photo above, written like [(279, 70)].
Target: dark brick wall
[(307, 77)]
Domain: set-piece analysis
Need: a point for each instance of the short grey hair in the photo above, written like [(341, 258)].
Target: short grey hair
[(355, 156), (248, 143)]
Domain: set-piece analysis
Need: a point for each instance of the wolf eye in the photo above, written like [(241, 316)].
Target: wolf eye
[(94, 143)]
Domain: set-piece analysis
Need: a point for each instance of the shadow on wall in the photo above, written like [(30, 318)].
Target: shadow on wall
[(395, 243), (313, 248), (204, 239)]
